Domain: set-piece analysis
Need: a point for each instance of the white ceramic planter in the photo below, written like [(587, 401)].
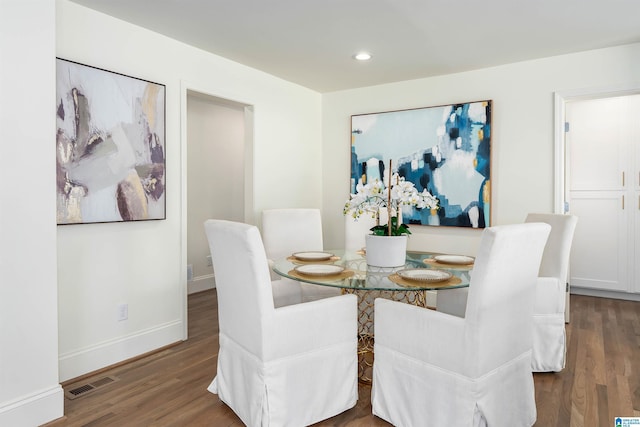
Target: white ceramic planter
[(386, 251)]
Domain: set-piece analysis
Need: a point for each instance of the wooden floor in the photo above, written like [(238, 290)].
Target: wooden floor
[(168, 388)]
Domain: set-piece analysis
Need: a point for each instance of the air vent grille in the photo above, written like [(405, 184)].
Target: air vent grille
[(83, 389)]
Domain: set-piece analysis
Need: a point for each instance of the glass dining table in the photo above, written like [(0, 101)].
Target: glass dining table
[(348, 270)]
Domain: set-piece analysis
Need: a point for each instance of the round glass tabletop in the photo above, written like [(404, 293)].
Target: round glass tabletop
[(349, 269)]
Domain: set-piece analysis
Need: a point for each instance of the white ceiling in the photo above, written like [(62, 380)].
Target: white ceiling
[(311, 42)]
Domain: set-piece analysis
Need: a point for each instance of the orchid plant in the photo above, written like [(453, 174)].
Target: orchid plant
[(373, 196)]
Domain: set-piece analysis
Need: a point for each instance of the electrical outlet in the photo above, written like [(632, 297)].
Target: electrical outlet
[(189, 272), (123, 312), (209, 262)]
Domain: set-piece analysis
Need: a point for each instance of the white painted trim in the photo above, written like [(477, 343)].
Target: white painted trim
[(249, 165), (605, 294), (89, 359), (215, 93), (600, 92), (559, 151), (202, 283), (34, 409), (183, 209), (560, 99), (249, 106)]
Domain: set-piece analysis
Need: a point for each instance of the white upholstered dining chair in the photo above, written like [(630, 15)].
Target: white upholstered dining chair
[(355, 229), (549, 334), (285, 231), (288, 366), (435, 369)]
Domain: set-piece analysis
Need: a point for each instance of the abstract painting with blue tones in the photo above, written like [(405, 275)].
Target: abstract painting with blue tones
[(445, 149)]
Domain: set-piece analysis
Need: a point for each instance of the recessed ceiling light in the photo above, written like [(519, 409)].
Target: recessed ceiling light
[(362, 56)]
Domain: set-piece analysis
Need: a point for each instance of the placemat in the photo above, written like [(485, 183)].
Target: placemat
[(431, 261), (326, 261), (410, 283), (329, 278)]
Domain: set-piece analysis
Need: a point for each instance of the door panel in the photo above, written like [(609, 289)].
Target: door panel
[(597, 141), (603, 190), (598, 255)]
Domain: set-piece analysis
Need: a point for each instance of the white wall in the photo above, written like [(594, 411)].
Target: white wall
[(522, 139), (144, 264), (29, 390), (101, 265), (215, 175)]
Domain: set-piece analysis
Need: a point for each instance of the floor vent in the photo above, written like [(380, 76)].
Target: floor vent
[(84, 389)]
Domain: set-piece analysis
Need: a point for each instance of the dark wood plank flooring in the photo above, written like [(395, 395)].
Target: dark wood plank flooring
[(168, 387)]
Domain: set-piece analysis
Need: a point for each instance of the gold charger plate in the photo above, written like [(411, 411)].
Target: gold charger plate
[(295, 260), (435, 263), (412, 283), (454, 259), (343, 275), (312, 255)]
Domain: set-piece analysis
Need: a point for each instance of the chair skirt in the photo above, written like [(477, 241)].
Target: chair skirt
[(549, 343), (277, 393), (504, 397)]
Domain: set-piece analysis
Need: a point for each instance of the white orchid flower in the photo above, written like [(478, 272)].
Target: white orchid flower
[(370, 197)]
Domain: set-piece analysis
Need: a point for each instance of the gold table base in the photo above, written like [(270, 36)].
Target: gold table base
[(366, 300)]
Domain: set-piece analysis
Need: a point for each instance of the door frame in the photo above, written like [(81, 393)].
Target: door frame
[(560, 98), (186, 88)]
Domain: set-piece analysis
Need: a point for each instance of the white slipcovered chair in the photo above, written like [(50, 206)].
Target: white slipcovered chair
[(549, 334), (285, 231), (289, 366), (435, 369), (355, 230)]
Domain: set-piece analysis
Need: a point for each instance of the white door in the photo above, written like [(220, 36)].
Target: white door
[(601, 169)]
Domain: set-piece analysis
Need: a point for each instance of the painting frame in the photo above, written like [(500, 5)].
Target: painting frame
[(110, 146), (445, 149)]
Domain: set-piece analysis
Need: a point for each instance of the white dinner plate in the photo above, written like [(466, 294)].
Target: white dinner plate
[(319, 269), (454, 259), (424, 275), (312, 256)]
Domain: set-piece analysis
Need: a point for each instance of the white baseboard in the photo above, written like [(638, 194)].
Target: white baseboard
[(86, 360), (35, 409), (201, 283), (605, 294)]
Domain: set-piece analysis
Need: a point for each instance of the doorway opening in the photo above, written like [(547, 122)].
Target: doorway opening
[(217, 159), (597, 146)]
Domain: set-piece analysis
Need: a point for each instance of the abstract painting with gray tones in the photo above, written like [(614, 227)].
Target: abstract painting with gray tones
[(110, 146)]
